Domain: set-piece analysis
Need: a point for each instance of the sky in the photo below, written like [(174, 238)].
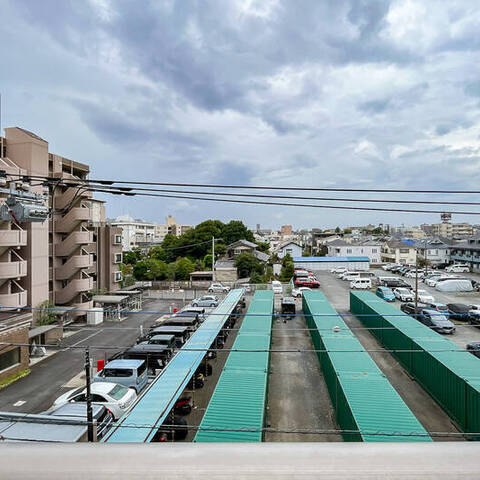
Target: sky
[(307, 93)]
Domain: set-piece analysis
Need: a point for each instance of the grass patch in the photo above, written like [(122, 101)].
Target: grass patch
[(8, 381)]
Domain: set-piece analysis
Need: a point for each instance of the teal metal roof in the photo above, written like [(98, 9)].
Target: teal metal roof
[(239, 399), (155, 404), (371, 402)]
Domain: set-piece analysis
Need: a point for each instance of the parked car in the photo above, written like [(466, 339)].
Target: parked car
[(306, 282), (439, 307), (288, 306), (130, 373), (117, 398), (385, 293), (205, 301), (78, 411), (277, 286), (181, 333), (436, 321), (474, 348), (424, 296), (389, 266), (178, 430), (458, 268), (338, 270), (403, 294), (349, 276), (298, 292), (431, 277), (167, 341), (432, 281), (361, 284), (459, 311), (409, 309), (218, 287), (474, 318)]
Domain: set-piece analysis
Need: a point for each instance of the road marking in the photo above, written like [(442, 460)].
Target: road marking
[(19, 403), (83, 340)]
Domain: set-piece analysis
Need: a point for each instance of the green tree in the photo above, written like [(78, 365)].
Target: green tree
[(183, 268), (287, 259), (377, 231), (247, 263), (347, 231), (170, 246), (263, 247), (44, 315), (337, 230), (132, 257), (287, 272), (158, 253), (150, 269), (236, 230)]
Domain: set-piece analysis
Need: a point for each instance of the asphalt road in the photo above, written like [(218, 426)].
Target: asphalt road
[(36, 392), (297, 393), (428, 412)]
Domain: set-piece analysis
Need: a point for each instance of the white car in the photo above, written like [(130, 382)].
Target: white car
[(113, 396), (458, 268), (424, 296), (218, 287), (431, 282), (338, 270), (404, 294), (298, 292)]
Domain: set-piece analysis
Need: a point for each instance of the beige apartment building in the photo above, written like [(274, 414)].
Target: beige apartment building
[(63, 259)]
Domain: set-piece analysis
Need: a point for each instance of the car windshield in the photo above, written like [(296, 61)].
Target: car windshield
[(117, 372), (403, 291), (118, 392)]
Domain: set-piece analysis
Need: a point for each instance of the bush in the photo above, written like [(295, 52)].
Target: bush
[(44, 314)]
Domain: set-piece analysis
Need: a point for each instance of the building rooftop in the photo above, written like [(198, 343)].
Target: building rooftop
[(330, 259)]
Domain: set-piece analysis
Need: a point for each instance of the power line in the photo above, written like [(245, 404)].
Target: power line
[(302, 205), (122, 190), (249, 187)]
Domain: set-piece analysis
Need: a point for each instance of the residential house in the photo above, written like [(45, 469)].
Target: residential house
[(398, 252), (370, 249), (289, 248), (435, 251)]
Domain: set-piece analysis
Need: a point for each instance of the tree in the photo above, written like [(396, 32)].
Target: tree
[(44, 315), (287, 272), (158, 253), (305, 253), (183, 268), (236, 230), (337, 230), (377, 231), (347, 231), (247, 263), (132, 257), (287, 259), (170, 246), (150, 269), (263, 247)]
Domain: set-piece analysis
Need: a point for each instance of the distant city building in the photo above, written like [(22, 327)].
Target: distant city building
[(286, 230)]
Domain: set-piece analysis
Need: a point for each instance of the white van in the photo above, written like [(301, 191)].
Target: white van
[(349, 276), (277, 286), (458, 268), (361, 284)]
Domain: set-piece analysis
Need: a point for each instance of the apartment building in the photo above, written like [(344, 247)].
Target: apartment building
[(370, 249), (467, 251), (398, 252), (61, 259), (449, 230)]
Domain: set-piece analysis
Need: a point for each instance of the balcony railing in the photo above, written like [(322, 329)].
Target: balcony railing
[(13, 300), (13, 269), (13, 238), (73, 288), (72, 266)]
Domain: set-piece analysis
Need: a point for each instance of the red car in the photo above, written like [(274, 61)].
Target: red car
[(307, 282)]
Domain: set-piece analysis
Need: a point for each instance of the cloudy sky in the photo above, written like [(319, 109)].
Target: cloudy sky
[(347, 93)]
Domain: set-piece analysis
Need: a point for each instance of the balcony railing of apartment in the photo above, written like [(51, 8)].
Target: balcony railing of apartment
[(15, 267), (65, 198), (72, 265), (13, 296), (16, 237), (71, 219), (72, 289), (75, 239)]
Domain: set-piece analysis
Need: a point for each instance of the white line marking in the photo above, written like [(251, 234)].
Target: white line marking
[(19, 403), (83, 340)]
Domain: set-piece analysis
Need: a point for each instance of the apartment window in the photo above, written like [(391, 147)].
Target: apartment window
[(94, 257), (117, 240), (404, 250), (94, 238), (349, 250), (10, 359), (118, 276), (374, 250), (118, 258)]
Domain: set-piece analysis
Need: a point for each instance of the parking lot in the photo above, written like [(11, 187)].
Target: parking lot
[(428, 412), (465, 333)]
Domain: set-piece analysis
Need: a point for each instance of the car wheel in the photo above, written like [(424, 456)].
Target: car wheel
[(212, 304), (194, 304)]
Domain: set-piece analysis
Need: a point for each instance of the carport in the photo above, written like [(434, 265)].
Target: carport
[(113, 305)]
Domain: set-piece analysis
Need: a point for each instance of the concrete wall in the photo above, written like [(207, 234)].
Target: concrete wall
[(16, 335)]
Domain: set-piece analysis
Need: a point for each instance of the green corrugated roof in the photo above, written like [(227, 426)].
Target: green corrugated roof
[(374, 404), (239, 399)]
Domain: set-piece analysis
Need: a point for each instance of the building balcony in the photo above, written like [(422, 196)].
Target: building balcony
[(13, 238), (13, 300), (64, 199), (73, 288), (71, 220), (73, 241), (72, 265), (462, 257), (13, 269)]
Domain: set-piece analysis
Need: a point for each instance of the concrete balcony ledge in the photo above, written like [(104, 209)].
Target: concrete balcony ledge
[(75, 239), (13, 269), (72, 266), (13, 300), (13, 238), (73, 288), (72, 218)]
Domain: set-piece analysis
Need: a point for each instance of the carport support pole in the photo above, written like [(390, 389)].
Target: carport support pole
[(89, 395)]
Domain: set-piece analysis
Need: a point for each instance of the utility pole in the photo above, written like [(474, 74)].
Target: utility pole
[(213, 258), (89, 395), (416, 281), (425, 250)]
